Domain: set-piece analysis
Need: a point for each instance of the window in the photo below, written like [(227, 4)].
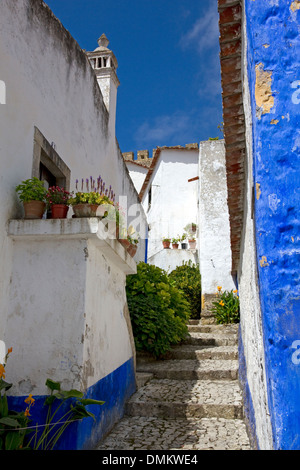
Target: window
[(47, 164)]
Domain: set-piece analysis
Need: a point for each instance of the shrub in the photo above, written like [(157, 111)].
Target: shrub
[(188, 279), (158, 310), (227, 307)]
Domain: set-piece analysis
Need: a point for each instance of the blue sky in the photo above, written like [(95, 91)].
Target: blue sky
[(168, 56)]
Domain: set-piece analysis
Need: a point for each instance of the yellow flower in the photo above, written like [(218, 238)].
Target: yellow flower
[(29, 400), (235, 291), (9, 350), (221, 303), (219, 288), (2, 371), (26, 413)]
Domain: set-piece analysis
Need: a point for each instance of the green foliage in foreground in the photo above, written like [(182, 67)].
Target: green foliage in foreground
[(158, 310), (188, 279)]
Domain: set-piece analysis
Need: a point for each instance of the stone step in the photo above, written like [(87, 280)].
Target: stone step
[(192, 369), (187, 399), (231, 329), (211, 339), (200, 353), (143, 433)]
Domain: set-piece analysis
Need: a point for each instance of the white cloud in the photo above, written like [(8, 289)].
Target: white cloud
[(204, 34), (164, 129)]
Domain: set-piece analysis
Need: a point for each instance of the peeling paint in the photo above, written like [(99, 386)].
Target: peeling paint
[(258, 191), (263, 93), (295, 5), (274, 121), (263, 262)]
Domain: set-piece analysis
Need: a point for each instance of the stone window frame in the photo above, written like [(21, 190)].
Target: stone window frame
[(45, 153)]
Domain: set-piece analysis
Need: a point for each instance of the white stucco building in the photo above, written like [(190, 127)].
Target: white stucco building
[(62, 289)]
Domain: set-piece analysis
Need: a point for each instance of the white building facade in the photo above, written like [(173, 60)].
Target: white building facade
[(62, 290)]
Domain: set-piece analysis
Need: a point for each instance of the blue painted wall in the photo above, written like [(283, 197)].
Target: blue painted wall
[(273, 28), (115, 389)]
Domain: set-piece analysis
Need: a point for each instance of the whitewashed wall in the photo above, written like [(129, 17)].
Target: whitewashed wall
[(174, 199), (51, 85), (138, 174), (214, 230), (251, 327)]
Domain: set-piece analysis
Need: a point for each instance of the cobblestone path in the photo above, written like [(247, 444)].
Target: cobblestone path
[(189, 401)]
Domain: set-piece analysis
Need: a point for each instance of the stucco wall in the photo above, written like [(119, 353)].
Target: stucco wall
[(214, 230), (174, 199), (252, 357), (273, 71), (51, 86)]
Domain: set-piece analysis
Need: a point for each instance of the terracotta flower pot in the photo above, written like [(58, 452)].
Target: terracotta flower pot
[(175, 246), (192, 244), (59, 211), (85, 210), (124, 242), (166, 244), (34, 209), (132, 249)]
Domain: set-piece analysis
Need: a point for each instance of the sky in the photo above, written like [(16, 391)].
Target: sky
[(168, 65)]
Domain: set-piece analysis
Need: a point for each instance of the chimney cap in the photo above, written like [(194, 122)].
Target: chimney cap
[(103, 41)]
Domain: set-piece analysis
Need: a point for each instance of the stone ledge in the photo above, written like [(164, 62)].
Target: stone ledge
[(69, 229)]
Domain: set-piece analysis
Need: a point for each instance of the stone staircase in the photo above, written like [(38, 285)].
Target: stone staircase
[(191, 400)]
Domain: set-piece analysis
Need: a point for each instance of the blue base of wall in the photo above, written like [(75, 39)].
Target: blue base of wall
[(248, 405), (114, 389)]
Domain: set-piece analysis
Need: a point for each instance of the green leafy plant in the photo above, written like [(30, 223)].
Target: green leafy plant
[(166, 239), (16, 427), (187, 278), (158, 310), (226, 307), (55, 426), (13, 425), (31, 190)]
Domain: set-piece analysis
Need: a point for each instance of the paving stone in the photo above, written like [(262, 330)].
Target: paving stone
[(191, 400)]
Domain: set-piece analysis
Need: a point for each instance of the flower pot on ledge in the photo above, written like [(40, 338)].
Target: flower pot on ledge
[(192, 244), (85, 210), (59, 211), (34, 209), (132, 249), (166, 244)]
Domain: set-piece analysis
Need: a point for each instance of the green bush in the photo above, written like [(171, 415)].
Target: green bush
[(227, 307), (188, 279), (158, 310)]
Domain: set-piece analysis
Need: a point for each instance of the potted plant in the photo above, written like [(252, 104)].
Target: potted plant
[(88, 203), (184, 245), (166, 242), (192, 243), (175, 243), (58, 202), (32, 194), (133, 238)]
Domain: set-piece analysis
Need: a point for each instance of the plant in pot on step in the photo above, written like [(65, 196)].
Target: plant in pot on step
[(192, 243), (175, 243), (166, 242), (184, 245), (32, 194), (133, 238), (58, 202)]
